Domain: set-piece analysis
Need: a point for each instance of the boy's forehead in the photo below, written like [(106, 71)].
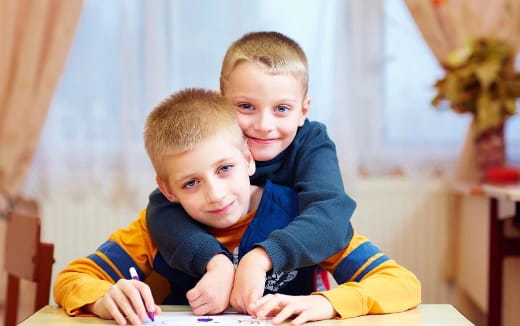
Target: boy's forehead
[(243, 70), (278, 71), (207, 154)]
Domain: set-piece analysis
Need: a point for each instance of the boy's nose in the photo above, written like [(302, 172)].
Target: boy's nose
[(264, 122), (215, 192)]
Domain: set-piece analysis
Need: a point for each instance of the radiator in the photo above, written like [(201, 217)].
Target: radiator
[(78, 226), (409, 220)]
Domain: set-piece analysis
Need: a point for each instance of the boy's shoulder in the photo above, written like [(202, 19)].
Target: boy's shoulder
[(312, 126), (312, 132), (312, 129)]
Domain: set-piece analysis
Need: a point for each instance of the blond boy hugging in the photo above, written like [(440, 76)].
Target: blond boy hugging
[(265, 76)]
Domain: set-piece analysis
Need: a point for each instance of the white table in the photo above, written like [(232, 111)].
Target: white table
[(424, 315)]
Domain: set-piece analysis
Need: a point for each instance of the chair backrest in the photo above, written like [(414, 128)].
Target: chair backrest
[(26, 258)]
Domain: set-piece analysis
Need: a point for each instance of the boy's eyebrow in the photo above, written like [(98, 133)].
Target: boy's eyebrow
[(182, 179), (248, 98), (241, 97), (288, 100)]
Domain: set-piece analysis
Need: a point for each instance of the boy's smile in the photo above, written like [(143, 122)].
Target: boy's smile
[(223, 210), (211, 181), (270, 108)]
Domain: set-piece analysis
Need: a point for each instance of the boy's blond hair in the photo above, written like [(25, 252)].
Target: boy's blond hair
[(274, 52), (183, 120)]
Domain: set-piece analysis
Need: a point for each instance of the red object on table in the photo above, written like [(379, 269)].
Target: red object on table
[(503, 173)]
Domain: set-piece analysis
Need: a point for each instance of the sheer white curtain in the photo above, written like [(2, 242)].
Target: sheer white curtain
[(129, 55), (371, 79)]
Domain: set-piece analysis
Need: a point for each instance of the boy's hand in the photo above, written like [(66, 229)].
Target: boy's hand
[(250, 276), (125, 298), (211, 294), (302, 308)]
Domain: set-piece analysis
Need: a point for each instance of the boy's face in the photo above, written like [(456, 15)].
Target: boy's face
[(211, 182), (270, 108)]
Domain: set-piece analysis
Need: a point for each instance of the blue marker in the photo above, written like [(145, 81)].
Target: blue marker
[(205, 319)]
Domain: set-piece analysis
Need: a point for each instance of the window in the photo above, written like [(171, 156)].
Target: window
[(371, 77), (410, 70)]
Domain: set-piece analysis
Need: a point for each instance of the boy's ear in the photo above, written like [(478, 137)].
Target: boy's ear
[(306, 105), (251, 166), (163, 187)]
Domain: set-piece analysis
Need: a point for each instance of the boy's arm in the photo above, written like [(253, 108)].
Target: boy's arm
[(211, 294), (87, 279), (369, 282), (184, 243), (250, 276), (80, 283), (318, 231), (389, 288)]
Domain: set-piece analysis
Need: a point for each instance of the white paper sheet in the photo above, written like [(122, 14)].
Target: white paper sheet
[(186, 318)]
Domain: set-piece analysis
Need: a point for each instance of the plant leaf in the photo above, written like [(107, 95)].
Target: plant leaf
[(487, 72)]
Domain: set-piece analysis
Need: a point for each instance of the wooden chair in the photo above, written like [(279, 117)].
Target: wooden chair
[(26, 258)]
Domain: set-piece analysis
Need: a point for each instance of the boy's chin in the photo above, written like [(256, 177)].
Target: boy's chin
[(263, 155), (224, 224)]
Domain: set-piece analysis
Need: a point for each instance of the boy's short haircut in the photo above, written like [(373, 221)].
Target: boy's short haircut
[(183, 120), (275, 52)]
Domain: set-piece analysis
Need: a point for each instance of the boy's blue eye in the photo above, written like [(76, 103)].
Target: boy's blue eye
[(282, 108), (190, 184), (226, 168), (245, 106)]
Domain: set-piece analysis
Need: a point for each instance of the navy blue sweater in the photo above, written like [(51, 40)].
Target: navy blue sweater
[(309, 166)]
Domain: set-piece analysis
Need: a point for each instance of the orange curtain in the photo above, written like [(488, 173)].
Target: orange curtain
[(447, 24), (34, 41)]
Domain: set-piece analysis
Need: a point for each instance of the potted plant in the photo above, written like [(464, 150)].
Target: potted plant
[(481, 80)]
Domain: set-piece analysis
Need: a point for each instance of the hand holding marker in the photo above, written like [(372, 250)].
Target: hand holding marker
[(133, 274)]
